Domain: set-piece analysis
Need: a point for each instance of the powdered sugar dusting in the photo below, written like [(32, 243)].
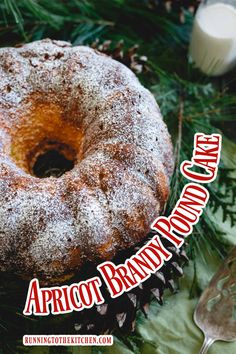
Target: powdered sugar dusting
[(49, 227)]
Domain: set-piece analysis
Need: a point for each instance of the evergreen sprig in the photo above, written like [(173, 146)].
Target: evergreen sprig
[(190, 102)]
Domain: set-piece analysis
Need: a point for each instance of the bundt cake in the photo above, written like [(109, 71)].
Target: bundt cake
[(77, 108)]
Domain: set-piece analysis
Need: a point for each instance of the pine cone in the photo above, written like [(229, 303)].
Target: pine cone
[(115, 315), (119, 314), (177, 6), (128, 57)]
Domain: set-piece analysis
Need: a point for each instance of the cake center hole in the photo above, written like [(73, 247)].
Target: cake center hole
[(52, 163)]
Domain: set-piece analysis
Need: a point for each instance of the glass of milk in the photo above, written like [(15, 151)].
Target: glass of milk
[(213, 41)]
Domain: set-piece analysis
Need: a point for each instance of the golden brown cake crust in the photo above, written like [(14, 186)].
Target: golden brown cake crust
[(51, 92)]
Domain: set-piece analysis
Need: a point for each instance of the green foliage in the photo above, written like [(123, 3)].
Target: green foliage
[(29, 20), (189, 101)]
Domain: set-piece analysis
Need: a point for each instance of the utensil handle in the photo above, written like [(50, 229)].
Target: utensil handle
[(206, 345)]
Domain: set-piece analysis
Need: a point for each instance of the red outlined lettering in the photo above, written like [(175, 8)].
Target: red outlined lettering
[(150, 258)]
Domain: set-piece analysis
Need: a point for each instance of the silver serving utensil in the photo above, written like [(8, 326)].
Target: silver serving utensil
[(215, 313)]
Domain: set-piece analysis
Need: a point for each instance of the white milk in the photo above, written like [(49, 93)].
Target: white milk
[(213, 43)]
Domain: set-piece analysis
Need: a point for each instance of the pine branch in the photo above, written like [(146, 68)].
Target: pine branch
[(32, 20), (201, 106), (188, 100)]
